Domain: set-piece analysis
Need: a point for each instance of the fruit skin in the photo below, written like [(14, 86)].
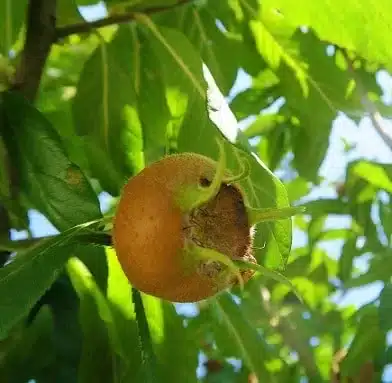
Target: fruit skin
[(151, 233)]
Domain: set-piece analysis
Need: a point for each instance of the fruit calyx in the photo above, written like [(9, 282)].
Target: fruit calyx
[(204, 212), (206, 207)]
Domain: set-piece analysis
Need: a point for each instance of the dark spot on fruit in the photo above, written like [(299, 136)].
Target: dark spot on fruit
[(204, 182)]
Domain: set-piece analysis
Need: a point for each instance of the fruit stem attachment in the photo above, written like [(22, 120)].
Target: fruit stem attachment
[(206, 254), (191, 199), (272, 214)]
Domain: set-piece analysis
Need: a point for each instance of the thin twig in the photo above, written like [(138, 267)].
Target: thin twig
[(374, 115), (86, 27)]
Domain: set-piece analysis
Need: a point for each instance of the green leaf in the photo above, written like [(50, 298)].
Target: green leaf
[(274, 51), (326, 206), (273, 147), (349, 252), (214, 46), (337, 22), (53, 184), (297, 188), (12, 16), (172, 343), (185, 92), (386, 219), (296, 58), (295, 331), (67, 12), (28, 352), (149, 363), (94, 258), (318, 95), (180, 348), (378, 175), (263, 124), (180, 69), (16, 212), (384, 309), (97, 309), (64, 304), (153, 109), (379, 270), (250, 102), (369, 339), (246, 339), (119, 296), (142, 4), (98, 360), (30, 273), (28, 276), (315, 227), (260, 96), (105, 111), (268, 274)]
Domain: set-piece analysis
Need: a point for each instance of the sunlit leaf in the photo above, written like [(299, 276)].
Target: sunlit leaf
[(106, 112), (379, 175), (96, 318), (338, 22)]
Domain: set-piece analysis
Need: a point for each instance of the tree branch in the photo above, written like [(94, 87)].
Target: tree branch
[(86, 27), (40, 34)]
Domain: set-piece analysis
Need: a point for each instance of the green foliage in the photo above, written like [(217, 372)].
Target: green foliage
[(338, 23), (12, 15), (50, 181), (157, 77)]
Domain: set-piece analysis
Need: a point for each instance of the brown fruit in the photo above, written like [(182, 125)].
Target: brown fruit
[(160, 241)]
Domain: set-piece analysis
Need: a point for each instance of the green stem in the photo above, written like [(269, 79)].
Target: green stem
[(207, 254), (272, 214), (191, 199), (245, 172)]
